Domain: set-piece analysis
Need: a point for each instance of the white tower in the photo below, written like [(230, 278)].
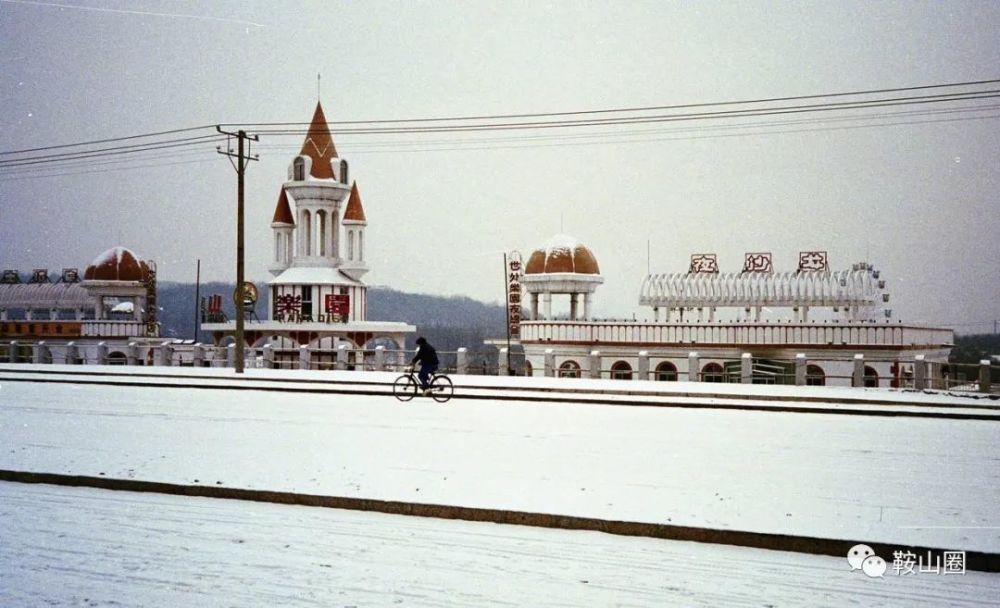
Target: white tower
[(315, 281), (354, 264), (283, 225)]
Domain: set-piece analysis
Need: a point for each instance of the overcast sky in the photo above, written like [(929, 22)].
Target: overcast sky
[(918, 200)]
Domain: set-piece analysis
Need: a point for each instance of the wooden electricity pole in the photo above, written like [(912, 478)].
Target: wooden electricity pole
[(242, 159)]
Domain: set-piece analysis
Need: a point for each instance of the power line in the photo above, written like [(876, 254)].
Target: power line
[(781, 110), (109, 140), (127, 149), (638, 109)]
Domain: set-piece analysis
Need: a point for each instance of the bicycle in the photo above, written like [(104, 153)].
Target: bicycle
[(407, 386)]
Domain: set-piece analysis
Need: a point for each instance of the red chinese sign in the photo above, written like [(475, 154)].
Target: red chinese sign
[(338, 305), (514, 273)]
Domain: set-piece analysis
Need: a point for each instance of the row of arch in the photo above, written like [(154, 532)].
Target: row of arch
[(710, 372), (839, 288)]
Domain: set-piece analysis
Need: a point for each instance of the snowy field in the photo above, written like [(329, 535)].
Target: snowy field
[(859, 478), (85, 547)]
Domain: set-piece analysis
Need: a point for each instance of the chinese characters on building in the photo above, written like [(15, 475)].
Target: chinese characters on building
[(337, 306), (757, 262), (514, 271), (704, 263), (814, 261)]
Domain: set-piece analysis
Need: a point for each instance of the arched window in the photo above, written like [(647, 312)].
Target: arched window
[(343, 171), (666, 372), (350, 244), (298, 169), (621, 370), (117, 358), (815, 376), (307, 232), (712, 372), (871, 377), (321, 222), (569, 369)]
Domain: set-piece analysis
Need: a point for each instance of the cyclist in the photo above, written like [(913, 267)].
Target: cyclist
[(428, 359)]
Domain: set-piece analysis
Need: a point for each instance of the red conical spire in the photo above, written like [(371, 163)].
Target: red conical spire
[(354, 209), (282, 212), (319, 145)]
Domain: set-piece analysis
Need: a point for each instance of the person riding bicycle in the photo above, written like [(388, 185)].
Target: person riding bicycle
[(428, 359)]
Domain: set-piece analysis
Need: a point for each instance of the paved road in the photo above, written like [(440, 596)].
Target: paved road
[(85, 547)]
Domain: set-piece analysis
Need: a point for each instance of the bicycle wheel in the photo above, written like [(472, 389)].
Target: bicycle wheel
[(441, 388), (404, 388)]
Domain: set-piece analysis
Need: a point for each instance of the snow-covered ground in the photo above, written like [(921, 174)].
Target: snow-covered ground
[(85, 547), (898, 480)]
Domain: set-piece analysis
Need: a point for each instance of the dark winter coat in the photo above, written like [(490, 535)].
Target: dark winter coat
[(426, 355)]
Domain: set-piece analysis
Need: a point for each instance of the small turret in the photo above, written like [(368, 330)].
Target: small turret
[(283, 225), (354, 223)]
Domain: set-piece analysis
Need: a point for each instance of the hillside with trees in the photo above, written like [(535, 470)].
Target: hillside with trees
[(447, 322)]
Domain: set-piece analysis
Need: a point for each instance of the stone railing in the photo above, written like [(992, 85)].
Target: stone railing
[(635, 333)]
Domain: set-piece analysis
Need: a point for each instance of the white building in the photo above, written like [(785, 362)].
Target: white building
[(686, 340), (317, 296), (108, 317)]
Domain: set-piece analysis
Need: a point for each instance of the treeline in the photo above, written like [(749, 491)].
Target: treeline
[(974, 348), (447, 322)]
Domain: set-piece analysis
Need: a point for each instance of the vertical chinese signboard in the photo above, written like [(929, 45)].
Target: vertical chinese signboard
[(514, 272)]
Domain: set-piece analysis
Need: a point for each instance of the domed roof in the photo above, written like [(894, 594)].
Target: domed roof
[(116, 264), (562, 254)]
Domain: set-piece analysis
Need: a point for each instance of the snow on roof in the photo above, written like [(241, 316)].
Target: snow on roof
[(305, 275), (111, 256), (561, 242)]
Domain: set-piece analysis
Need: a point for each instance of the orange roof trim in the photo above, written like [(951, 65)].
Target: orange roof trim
[(354, 209), (319, 146), (283, 211)]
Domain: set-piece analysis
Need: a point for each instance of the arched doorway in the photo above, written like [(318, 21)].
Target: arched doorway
[(871, 377), (815, 376), (569, 369), (666, 372), (621, 370), (712, 372)]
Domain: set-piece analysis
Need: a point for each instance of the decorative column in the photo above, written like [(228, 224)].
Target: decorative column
[(534, 306), (547, 304), (586, 306), (572, 306)]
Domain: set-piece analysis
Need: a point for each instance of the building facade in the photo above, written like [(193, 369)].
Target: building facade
[(108, 315), (686, 339)]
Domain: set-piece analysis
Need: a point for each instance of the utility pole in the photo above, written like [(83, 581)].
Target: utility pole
[(197, 300), (242, 159)]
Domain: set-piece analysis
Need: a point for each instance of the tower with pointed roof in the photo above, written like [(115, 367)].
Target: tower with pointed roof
[(317, 211), (318, 302), (354, 222)]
